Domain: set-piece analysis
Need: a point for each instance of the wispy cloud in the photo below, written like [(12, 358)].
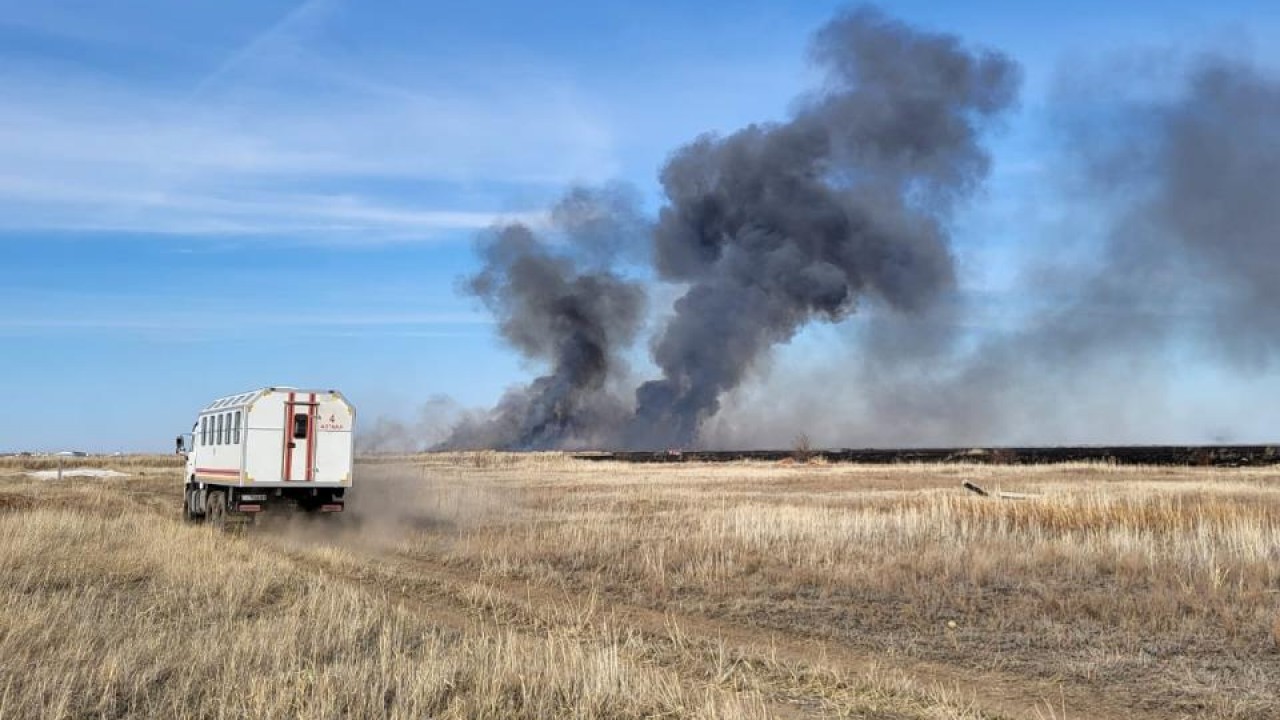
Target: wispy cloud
[(79, 206), (428, 324), (289, 31), (282, 137)]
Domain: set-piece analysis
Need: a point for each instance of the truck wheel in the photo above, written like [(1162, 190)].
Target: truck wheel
[(216, 510), (187, 514)]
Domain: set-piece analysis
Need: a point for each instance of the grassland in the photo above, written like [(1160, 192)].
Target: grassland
[(490, 585)]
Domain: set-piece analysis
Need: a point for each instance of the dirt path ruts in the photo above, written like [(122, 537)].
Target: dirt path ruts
[(448, 597), (994, 694), (442, 599)]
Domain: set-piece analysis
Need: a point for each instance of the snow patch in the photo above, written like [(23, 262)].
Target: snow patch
[(77, 472)]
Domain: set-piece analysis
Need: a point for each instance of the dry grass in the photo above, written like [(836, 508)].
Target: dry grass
[(123, 463), (476, 459), (1161, 585), (498, 585), (121, 614)]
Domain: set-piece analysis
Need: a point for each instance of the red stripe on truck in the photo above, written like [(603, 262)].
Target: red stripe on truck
[(215, 471), (311, 438), (288, 439)]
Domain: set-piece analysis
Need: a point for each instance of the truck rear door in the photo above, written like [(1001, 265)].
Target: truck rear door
[(299, 438)]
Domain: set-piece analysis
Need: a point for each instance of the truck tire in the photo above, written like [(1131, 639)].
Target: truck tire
[(188, 514), (216, 510)]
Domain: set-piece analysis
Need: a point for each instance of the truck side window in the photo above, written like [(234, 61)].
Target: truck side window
[(236, 439), (218, 433), (300, 426), (204, 430)]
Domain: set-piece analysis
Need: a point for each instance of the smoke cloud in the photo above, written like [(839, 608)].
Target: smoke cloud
[(1205, 229), (778, 225), (434, 423), (1181, 192), (842, 215), (560, 307), (1191, 238)]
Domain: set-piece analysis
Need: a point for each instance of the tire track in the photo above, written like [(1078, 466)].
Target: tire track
[(989, 693)]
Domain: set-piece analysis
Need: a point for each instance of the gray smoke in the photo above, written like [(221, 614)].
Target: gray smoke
[(1185, 266), (778, 225), (1205, 231), (841, 215), (434, 423), (556, 304), (1181, 192)]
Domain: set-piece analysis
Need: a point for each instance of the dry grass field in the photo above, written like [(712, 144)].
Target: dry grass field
[(508, 586)]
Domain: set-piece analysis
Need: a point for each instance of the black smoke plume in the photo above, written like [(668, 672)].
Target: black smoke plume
[(778, 225), (556, 304)]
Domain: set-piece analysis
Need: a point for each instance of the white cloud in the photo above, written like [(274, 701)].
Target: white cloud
[(415, 323), (293, 142), (74, 204)]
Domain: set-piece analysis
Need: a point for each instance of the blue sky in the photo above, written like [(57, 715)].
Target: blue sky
[(203, 197)]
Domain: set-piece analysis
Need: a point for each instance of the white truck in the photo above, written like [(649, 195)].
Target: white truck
[(273, 450)]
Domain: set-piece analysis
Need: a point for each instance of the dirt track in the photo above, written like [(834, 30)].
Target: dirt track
[(693, 645)]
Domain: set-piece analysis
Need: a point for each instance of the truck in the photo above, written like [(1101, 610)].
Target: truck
[(275, 450)]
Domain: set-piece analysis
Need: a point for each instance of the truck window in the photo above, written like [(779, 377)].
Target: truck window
[(218, 432), (236, 438), (204, 430), (300, 426)]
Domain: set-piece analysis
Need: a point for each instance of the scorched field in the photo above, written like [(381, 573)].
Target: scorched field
[(493, 585)]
